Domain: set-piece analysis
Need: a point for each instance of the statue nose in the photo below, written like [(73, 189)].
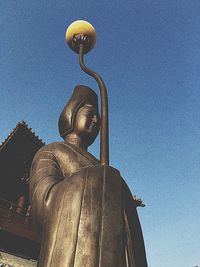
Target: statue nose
[(94, 119)]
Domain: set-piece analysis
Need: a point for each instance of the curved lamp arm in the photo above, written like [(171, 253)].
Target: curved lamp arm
[(104, 136)]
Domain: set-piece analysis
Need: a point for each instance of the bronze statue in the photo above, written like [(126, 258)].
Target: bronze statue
[(83, 208)]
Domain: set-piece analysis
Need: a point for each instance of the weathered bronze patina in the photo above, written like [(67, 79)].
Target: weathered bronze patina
[(84, 210)]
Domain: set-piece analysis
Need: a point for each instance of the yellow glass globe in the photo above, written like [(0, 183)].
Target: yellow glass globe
[(81, 27)]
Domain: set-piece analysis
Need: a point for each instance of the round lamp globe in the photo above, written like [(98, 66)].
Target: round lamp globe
[(81, 28)]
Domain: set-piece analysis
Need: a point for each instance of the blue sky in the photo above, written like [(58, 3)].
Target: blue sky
[(148, 53)]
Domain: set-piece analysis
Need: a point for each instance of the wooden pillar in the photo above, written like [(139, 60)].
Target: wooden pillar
[(20, 204)]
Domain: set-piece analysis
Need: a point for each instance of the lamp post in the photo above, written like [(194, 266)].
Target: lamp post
[(81, 38)]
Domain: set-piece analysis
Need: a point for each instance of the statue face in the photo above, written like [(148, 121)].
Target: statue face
[(87, 123)]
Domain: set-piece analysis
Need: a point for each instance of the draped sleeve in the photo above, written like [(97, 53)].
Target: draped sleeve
[(45, 173)]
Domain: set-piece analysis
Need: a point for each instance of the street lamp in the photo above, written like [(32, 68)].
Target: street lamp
[(81, 38)]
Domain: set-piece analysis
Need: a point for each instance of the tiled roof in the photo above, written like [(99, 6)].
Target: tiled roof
[(20, 125)]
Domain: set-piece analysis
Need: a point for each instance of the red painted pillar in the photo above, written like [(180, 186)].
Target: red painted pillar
[(20, 204)]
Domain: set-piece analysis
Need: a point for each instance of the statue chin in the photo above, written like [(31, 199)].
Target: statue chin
[(91, 139)]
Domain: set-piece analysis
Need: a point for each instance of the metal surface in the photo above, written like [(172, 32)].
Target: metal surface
[(84, 211), (104, 135)]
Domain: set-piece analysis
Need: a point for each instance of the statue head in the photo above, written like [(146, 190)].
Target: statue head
[(80, 115)]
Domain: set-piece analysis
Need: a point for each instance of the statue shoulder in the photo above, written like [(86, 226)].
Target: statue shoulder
[(52, 148), (55, 151), (68, 158)]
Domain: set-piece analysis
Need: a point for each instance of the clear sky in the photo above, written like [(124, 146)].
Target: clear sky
[(148, 53)]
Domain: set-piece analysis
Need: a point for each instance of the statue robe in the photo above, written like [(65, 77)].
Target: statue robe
[(84, 211)]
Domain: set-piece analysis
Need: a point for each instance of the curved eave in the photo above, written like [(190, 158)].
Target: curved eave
[(21, 125)]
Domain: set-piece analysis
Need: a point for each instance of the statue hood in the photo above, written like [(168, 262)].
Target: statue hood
[(82, 95)]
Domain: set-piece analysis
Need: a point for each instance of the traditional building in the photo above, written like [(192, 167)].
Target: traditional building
[(18, 235)]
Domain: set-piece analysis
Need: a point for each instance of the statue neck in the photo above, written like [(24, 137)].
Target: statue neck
[(76, 140)]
